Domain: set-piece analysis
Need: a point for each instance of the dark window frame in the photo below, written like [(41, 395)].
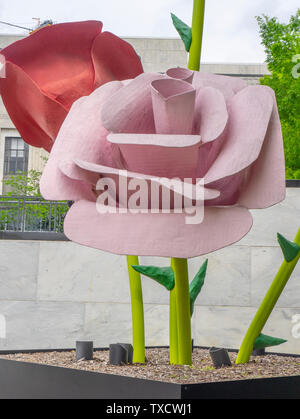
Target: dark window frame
[(16, 154)]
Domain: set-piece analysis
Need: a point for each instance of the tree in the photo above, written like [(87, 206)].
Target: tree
[(282, 47), (24, 183)]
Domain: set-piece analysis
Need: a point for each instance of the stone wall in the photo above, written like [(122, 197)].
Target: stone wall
[(54, 293)]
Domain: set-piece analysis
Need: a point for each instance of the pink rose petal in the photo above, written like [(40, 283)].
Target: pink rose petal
[(159, 154), (156, 234), (74, 172), (249, 115), (130, 110), (266, 180), (165, 182), (54, 185), (229, 86), (211, 114), (181, 73), (173, 106), (230, 188)]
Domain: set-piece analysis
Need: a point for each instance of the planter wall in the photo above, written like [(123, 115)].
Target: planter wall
[(21, 380), (53, 293), (25, 380)]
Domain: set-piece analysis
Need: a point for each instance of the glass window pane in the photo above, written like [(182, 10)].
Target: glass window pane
[(19, 165), (20, 144), (14, 144)]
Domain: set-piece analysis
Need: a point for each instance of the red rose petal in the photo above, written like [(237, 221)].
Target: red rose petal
[(36, 116), (58, 59), (114, 59)]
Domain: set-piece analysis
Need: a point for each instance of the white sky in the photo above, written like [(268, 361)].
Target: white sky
[(230, 32)]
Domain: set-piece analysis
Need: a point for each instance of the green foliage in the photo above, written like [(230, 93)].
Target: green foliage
[(23, 183), (31, 214), (289, 249), (264, 341), (164, 276), (185, 32), (282, 46), (197, 284)]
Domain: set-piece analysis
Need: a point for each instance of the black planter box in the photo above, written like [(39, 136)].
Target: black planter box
[(23, 380)]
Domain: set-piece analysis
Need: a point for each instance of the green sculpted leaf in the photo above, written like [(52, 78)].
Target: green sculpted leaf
[(164, 276), (197, 284), (263, 341), (184, 31), (289, 249)]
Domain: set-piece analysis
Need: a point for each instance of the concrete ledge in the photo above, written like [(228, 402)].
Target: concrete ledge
[(293, 183), (27, 235)]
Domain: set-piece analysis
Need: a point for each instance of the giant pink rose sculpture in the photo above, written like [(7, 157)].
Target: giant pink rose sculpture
[(181, 124)]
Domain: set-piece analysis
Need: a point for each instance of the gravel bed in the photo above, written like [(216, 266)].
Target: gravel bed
[(158, 368)]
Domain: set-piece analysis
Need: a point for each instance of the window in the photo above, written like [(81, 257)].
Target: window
[(15, 156)]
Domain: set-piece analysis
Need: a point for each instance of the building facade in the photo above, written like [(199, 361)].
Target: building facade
[(157, 55)]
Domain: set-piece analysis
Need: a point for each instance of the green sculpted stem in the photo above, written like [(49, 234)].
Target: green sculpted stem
[(180, 311), (138, 334), (183, 311), (197, 32), (173, 325), (267, 306)]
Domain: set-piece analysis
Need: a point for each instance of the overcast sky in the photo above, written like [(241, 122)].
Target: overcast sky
[(230, 32)]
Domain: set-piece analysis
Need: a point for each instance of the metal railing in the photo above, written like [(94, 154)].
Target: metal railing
[(31, 214)]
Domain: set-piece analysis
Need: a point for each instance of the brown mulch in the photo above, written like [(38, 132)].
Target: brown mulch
[(158, 368)]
